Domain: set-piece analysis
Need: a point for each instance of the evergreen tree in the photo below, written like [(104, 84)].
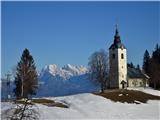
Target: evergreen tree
[(156, 54), (154, 68), (138, 68), (146, 60), (132, 66), (26, 80)]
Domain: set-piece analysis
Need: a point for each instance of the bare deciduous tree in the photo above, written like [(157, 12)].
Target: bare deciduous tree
[(24, 110), (98, 65)]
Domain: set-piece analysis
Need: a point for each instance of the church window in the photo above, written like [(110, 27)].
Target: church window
[(122, 56), (113, 55)]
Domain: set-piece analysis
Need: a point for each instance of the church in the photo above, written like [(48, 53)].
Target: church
[(119, 76)]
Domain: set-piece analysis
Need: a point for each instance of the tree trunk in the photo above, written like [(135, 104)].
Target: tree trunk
[(154, 85), (102, 88)]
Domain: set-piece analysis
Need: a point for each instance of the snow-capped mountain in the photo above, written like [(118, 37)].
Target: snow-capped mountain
[(65, 72), (55, 81)]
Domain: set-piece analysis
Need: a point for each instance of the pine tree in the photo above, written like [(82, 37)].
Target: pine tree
[(132, 66), (146, 60), (138, 68), (26, 80), (156, 54), (155, 68)]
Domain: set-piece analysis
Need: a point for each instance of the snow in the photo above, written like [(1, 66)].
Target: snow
[(146, 90), (120, 94), (90, 106), (67, 80), (65, 72)]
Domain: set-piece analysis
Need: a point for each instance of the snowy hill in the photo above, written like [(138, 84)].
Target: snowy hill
[(89, 106), (67, 80)]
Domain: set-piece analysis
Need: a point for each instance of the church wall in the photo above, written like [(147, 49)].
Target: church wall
[(118, 67), (122, 66), (113, 72), (137, 82)]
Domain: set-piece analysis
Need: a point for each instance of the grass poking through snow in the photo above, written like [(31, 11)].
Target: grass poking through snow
[(47, 102), (129, 96)]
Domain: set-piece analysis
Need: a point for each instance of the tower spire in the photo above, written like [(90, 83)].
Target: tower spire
[(116, 33), (116, 37)]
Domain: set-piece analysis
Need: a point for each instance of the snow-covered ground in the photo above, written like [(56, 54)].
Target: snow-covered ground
[(146, 90), (89, 106)]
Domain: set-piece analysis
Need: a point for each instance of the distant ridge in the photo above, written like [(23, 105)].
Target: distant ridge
[(69, 79)]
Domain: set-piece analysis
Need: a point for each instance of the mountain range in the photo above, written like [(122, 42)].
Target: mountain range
[(69, 79), (55, 81)]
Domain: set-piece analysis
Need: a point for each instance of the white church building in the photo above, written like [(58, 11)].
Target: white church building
[(119, 77)]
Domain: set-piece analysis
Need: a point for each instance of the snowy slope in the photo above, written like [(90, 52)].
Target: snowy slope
[(65, 81), (89, 106), (146, 90)]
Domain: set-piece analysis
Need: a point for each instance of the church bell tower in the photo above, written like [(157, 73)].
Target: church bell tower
[(118, 63)]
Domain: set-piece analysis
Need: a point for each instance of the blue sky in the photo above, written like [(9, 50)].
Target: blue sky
[(69, 32)]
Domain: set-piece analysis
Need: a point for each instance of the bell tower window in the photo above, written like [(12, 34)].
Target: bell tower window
[(122, 56)]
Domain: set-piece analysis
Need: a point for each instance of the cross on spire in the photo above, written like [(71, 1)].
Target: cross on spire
[(116, 33), (117, 36)]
